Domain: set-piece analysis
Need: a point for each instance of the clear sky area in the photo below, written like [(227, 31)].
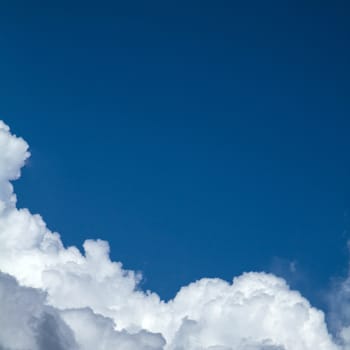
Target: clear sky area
[(200, 138)]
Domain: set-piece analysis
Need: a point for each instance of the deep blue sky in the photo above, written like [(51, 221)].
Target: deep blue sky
[(199, 138)]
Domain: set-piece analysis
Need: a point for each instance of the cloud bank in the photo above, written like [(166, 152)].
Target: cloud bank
[(54, 297)]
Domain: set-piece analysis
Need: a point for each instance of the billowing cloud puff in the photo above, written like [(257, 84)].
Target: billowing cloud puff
[(13, 153), (85, 301), (27, 322), (98, 332)]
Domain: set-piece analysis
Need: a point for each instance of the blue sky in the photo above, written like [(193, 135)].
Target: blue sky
[(199, 139)]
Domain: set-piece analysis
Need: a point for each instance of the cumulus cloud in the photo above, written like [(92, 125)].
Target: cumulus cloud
[(68, 300), (98, 332), (27, 322)]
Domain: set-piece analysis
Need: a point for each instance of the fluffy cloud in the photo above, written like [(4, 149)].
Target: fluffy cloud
[(27, 322), (98, 332), (69, 300)]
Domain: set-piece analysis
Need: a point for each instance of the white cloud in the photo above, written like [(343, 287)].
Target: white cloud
[(27, 323), (97, 304), (13, 153), (98, 332)]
